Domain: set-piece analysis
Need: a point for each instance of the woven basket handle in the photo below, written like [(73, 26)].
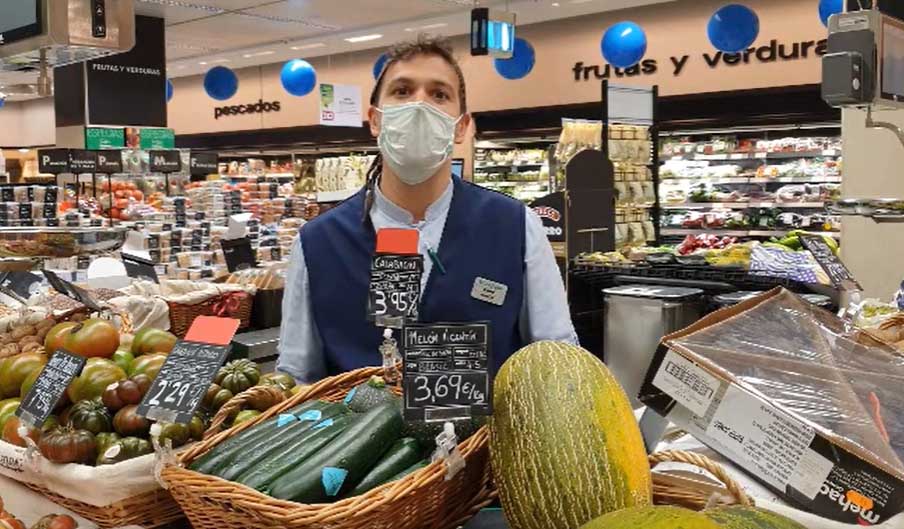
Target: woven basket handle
[(236, 403), (680, 456)]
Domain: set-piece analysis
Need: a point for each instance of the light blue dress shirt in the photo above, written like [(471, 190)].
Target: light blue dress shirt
[(544, 314)]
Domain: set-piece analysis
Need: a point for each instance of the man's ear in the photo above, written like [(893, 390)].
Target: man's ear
[(462, 128), (374, 118)]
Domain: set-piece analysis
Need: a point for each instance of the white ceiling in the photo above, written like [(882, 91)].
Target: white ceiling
[(239, 33)]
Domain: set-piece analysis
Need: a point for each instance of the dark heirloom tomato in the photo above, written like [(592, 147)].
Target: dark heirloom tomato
[(128, 423), (91, 415), (66, 445)]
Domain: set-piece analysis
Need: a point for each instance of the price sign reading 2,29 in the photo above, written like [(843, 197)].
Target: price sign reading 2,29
[(446, 370), (182, 381)]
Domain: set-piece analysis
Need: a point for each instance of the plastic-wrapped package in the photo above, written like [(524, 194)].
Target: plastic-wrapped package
[(790, 393)]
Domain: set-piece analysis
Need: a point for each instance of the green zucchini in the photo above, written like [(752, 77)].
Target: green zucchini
[(370, 394), (410, 470), (293, 454), (224, 451), (402, 455), (345, 461), (247, 459)]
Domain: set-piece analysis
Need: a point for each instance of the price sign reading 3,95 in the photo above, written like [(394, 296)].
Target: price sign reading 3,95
[(182, 382), (395, 289), (446, 371)]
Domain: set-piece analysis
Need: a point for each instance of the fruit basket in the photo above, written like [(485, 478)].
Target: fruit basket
[(422, 499)]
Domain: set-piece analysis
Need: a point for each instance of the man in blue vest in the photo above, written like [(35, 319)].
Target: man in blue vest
[(467, 234)]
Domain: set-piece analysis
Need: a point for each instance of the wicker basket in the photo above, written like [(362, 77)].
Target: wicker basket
[(691, 493), (424, 499), (151, 509), (236, 304)]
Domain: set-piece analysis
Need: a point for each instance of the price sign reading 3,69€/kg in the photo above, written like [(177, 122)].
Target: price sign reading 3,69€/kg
[(395, 289), (446, 371), (182, 382)]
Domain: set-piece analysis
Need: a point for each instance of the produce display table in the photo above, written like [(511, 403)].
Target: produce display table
[(29, 506)]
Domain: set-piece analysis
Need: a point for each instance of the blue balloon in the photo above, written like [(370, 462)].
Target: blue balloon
[(733, 28), (221, 83), (169, 90), (828, 8), (298, 77), (624, 44), (379, 65), (521, 62)]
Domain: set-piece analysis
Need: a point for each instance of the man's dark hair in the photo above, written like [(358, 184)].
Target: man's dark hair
[(422, 45)]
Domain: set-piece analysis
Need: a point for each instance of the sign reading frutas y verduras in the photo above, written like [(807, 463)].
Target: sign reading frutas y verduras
[(446, 370)]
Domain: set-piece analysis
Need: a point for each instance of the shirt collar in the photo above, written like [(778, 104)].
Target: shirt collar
[(388, 208)]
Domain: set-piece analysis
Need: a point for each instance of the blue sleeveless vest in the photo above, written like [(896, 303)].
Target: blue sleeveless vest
[(483, 237)]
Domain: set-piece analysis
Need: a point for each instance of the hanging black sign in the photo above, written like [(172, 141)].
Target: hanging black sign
[(48, 389), (23, 284), (69, 290), (551, 210), (238, 254), (182, 382), (53, 161), (82, 161), (204, 163), (165, 161), (109, 162), (395, 289), (139, 267), (838, 274), (446, 371)]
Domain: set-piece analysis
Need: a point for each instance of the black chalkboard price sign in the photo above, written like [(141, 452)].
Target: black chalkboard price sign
[(446, 371), (49, 387), (395, 289), (238, 254), (182, 381), (838, 274), (139, 267), (69, 290)]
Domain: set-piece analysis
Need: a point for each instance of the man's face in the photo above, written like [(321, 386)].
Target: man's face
[(427, 78)]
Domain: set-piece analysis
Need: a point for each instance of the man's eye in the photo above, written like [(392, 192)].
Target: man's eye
[(441, 95), (400, 91)]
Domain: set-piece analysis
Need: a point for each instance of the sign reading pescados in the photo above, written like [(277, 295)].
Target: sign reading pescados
[(255, 108)]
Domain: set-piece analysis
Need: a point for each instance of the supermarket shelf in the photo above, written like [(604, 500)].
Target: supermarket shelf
[(753, 156), (542, 183), (335, 196), (490, 167), (740, 233), (264, 176), (755, 180), (744, 205)]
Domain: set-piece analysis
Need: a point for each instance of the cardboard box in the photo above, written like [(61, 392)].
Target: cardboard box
[(782, 389)]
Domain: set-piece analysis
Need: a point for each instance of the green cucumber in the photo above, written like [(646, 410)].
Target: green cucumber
[(410, 470), (426, 432), (401, 456), (293, 454), (345, 461), (364, 397), (280, 437), (224, 451)]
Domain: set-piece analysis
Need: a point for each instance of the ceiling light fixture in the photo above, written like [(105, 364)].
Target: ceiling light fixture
[(556, 4), (258, 54), (364, 38), (309, 46), (24, 151), (428, 27)]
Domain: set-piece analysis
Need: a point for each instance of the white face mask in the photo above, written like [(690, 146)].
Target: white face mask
[(416, 139)]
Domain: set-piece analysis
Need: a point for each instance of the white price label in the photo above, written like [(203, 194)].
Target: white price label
[(687, 383)]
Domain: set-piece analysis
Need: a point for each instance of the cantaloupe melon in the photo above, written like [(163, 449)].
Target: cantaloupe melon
[(564, 443), (652, 518), (738, 517)]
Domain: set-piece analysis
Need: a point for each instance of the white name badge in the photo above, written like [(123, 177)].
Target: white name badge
[(489, 291)]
